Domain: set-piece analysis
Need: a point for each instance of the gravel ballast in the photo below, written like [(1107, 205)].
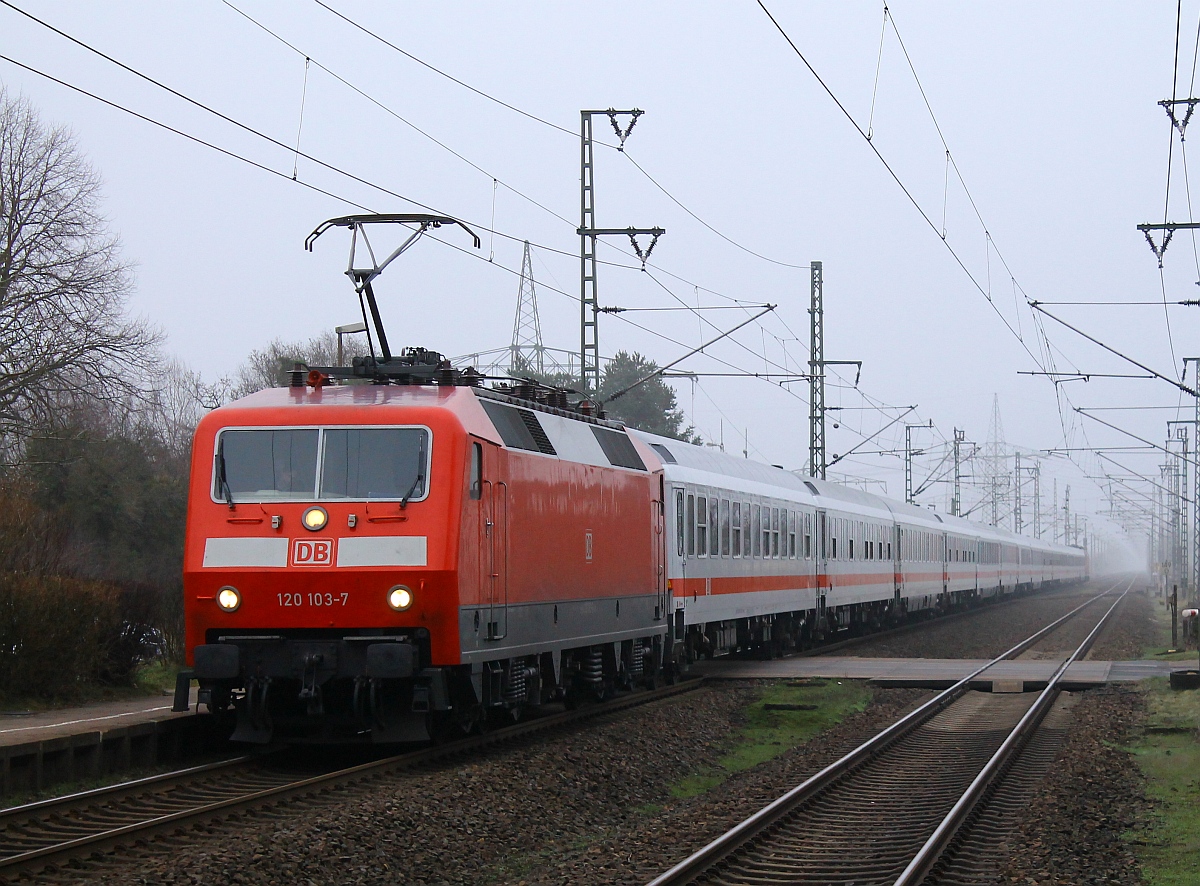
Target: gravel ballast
[(1074, 826)]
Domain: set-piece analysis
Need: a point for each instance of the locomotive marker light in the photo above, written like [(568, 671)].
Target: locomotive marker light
[(315, 518), (400, 598), (229, 599)]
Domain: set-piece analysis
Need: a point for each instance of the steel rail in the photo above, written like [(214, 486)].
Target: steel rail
[(731, 840), (940, 839), (109, 792), (177, 821)]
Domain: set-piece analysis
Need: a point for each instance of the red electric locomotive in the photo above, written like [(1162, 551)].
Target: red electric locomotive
[(370, 560)]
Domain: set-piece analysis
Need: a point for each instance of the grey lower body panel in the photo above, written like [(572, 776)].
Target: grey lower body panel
[(488, 633)]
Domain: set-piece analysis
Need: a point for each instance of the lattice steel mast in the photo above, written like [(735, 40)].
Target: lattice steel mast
[(527, 352), (816, 372), (589, 306)]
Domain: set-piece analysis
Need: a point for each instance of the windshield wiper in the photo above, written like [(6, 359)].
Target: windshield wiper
[(418, 480), (222, 480)]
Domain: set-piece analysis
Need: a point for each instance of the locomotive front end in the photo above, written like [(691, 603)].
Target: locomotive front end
[(321, 599)]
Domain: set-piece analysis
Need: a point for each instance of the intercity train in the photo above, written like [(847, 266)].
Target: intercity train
[(397, 561)]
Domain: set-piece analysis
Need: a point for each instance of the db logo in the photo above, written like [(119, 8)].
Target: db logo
[(312, 552)]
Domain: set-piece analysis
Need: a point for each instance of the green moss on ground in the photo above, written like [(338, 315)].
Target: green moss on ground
[(1169, 757), (768, 733)]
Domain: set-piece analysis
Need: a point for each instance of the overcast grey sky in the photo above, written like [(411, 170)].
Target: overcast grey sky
[(1049, 111)]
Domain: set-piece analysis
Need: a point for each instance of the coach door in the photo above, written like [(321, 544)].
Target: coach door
[(493, 549), (822, 561), (657, 518), (945, 564)]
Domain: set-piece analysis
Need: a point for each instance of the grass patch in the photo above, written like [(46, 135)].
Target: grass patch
[(1162, 618), (1170, 761), (768, 733), (155, 676)]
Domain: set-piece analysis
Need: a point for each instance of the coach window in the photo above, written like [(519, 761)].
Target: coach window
[(701, 526), (756, 529), (679, 521), (714, 541), (766, 530), (725, 527), (808, 536), (691, 526), (737, 529), (746, 533), (477, 471), (792, 535)]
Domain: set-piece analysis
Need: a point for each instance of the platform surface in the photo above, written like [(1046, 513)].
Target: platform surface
[(932, 671), (20, 728)]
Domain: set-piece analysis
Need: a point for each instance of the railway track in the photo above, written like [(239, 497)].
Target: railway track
[(896, 809), (51, 833), (989, 609)]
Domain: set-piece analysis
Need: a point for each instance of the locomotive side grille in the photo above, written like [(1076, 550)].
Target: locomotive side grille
[(519, 428), (537, 432)]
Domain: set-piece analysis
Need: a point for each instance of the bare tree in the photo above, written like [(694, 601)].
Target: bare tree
[(65, 335), (178, 399), (268, 367)]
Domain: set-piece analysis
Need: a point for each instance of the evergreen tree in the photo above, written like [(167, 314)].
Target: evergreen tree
[(651, 406)]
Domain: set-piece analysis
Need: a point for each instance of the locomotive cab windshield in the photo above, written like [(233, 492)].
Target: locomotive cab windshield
[(329, 464)]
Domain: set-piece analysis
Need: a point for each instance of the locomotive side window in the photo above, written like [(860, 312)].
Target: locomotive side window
[(477, 472), (701, 526), (263, 465), (737, 529), (691, 525)]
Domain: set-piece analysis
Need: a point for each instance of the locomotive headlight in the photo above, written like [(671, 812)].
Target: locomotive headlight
[(400, 598), (315, 518), (229, 599)]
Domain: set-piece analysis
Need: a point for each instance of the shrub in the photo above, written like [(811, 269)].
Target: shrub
[(58, 636)]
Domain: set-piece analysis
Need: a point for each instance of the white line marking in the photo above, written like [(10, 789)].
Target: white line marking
[(86, 720)]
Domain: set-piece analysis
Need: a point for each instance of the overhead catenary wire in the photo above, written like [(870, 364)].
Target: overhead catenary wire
[(387, 109), (182, 134), (542, 120), (900, 182), (328, 193)]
